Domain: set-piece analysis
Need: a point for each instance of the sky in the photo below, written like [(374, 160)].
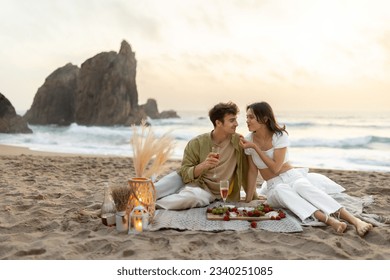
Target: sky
[(296, 55)]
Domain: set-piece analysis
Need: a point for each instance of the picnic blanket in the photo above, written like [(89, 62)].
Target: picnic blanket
[(195, 219)]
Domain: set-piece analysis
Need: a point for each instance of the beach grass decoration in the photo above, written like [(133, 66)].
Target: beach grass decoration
[(150, 153), (121, 195)]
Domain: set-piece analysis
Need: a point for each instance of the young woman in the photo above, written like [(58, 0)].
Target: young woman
[(267, 145)]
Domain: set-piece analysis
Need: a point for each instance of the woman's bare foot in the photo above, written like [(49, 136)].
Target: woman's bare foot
[(362, 227), (337, 225)]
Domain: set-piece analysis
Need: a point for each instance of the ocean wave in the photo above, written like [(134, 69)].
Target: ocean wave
[(327, 125), (358, 143), (344, 143)]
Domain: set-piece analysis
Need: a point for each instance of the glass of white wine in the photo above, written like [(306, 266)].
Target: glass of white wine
[(215, 153)]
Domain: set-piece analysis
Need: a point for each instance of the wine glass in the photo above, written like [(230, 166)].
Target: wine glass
[(224, 189), (215, 151)]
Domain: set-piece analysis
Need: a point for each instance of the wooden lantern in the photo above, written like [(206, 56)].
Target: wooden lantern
[(142, 193)]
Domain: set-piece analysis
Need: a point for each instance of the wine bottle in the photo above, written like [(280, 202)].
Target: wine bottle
[(108, 207)]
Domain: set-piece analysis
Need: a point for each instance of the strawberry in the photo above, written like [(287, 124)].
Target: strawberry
[(253, 224), (256, 213), (282, 215), (266, 209), (250, 213), (226, 218), (277, 218)]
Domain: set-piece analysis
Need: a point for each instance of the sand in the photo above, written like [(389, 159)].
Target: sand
[(50, 205)]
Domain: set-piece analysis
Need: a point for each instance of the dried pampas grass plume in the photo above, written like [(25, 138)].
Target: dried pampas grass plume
[(150, 153)]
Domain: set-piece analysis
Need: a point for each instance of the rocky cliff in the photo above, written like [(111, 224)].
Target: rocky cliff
[(107, 92), (10, 122), (102, 92), (54, 101)]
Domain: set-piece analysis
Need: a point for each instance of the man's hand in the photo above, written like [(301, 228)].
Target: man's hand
[(211, 161)]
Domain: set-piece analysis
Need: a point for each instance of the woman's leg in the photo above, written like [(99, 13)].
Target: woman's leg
[(284, 196), (315, 196), (328, 206), (337, 225), (361, 226)]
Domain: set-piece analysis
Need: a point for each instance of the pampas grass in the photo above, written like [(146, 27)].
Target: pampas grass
[(150, 152), (121, 195)]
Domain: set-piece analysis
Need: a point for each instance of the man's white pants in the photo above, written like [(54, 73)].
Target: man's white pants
[(173, 194)]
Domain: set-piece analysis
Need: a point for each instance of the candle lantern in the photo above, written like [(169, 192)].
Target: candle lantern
[(142, 193), (138, 220)]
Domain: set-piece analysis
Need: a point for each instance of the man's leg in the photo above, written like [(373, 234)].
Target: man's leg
[(168, 185), (188, 197)]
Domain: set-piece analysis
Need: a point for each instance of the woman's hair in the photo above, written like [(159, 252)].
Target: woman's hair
[(264, 114), (219, 111)]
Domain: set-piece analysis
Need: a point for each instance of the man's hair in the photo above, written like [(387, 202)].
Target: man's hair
[(219, 111)]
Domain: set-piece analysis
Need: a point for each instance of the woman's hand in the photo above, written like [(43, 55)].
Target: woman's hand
[(245, 144)]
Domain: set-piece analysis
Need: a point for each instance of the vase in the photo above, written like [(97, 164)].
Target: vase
[(143, 193), (122, 221)]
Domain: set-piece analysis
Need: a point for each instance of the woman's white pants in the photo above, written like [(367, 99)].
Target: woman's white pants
[(292, 190)]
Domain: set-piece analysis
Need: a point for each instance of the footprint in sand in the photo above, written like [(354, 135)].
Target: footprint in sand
[(30, 252)]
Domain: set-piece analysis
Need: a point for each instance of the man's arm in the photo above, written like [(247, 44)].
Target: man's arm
[(195, 161)]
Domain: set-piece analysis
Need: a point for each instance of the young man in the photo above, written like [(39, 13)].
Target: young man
[(196, 184)]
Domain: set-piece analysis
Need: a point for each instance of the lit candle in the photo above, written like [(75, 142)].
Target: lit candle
[(138, 224)]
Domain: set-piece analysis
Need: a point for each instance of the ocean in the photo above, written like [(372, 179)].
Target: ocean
[(334, 140)]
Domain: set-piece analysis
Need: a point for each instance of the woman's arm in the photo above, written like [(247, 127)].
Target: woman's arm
[(275, 164), (252, 179)]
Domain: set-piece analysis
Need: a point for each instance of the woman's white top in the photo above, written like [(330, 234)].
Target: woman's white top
[(278, 141)]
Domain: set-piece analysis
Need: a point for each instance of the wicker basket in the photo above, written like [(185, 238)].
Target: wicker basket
[(142, 193)]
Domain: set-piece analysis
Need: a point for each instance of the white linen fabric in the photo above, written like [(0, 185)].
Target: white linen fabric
[(173, 194), (293, 190), (318, 180)]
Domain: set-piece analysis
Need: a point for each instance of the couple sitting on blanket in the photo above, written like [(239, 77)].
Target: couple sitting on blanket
[(264, 150)]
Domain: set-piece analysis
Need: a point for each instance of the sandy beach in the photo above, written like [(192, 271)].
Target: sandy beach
[(50, 207)]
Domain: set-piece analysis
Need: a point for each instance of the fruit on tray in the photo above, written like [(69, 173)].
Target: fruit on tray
[(257, 211)]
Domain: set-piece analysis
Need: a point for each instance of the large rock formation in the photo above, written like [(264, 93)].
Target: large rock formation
[(102, 92), (151, 110), (107, 92), (10, 122), (54, 100)]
